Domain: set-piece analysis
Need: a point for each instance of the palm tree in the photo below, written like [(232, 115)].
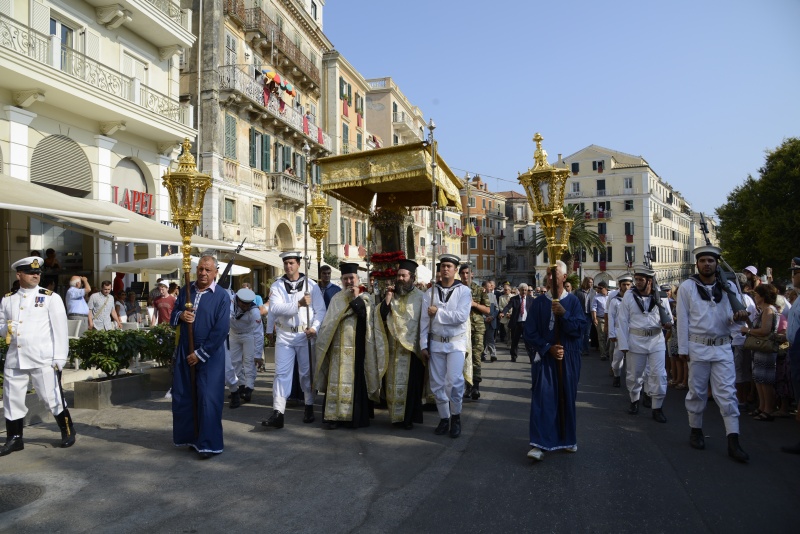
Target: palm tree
[(580, 237)]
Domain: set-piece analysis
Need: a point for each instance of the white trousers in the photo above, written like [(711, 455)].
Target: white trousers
[(722, 374), (242, 369), (447, 381), (15, 388), (285, 356), (649, 366), (617, 359)]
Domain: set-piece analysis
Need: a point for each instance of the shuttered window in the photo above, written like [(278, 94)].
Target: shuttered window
[(230, 136), (265, 152), (253, 148), (59, 162)]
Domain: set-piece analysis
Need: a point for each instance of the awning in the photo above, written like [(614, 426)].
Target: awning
[(168, 264), (21, 195), (140, 230)]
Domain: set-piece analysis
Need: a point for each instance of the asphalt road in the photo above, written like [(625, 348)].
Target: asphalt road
[(630, 473)]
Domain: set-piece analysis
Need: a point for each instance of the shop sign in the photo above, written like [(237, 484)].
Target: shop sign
[(137, 201)]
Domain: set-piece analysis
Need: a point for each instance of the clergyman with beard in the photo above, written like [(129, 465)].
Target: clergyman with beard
[(397, 340)]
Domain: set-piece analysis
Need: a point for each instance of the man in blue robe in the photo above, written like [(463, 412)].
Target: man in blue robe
[(546, 432), (210, 317)]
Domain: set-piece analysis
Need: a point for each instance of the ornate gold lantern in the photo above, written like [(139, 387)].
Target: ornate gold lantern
[(319, 214)]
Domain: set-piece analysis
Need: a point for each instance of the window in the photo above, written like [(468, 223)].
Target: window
[(576, 186), (520, 237), (629, 205), (653, 254), (598, 165), (601, 228), (359, 141), (314, 10), (230, 49), (230, 210), (576, 168), (601, 188), (484, 203), (629, 228), (265, 152), (257, 217), (472, 203), (485, 243), (298, 224), (603, 254), (230, 136), (473, 243), (345, 134), (255, 148), (491, 244), (627, 182), (395, 140)]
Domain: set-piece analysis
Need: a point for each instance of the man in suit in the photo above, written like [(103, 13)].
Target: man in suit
[(519, 306), (586, 296)]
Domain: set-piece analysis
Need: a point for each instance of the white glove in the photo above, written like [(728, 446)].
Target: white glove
[(59, 364)]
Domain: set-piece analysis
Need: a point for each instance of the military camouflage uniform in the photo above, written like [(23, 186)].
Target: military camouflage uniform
[(477, 329)]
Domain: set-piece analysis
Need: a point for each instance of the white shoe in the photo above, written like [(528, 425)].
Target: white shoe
[(574, 448), (169, 394), (535, 453)]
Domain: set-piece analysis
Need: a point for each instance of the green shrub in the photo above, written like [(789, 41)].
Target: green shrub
[(161, 344), (109, 350)]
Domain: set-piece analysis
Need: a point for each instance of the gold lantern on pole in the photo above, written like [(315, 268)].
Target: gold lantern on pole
[(544, 185), (187, 190), (319, 214)]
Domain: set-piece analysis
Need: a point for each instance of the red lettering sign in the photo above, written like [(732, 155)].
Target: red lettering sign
[(136, 201)]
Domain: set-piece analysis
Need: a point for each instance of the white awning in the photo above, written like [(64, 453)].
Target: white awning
[(168, 264), (21, 195)]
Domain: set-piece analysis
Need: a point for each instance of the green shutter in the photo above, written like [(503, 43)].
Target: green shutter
[(341, 88), (253, 146), (230, 136), (287, 158), (265, 152)]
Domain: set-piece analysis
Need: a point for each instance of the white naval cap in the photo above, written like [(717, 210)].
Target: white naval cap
[(292, 254), (627, 277), (29, 265), (644, 271), (246, 295), (707, 250)]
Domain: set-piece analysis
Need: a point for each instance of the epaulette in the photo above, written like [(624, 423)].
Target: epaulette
[(44, 291), (11, 293)]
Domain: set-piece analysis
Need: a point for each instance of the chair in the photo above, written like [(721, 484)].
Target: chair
[(74, 328)]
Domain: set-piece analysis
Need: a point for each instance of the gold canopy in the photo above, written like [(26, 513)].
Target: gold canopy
[(399, 175)]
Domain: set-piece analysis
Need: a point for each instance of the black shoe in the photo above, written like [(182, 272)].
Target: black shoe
[(330, 425), (204, 455), (603, 358), (275, 420), (443, 427), (483, 358), (513, 358), (13, 437), (67, 429), (659, 416), (467, 392), (735, 450), (475, 393), (236, 400), (241, 390), (647, 401), (246, 395), (793, 449), (634, 408), (455, 426), (696, 439), (308, 415), (615, 383), (494, 358)]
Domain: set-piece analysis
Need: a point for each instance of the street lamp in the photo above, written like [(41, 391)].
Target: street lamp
[(544, 185), (319, 212), (187, 190)]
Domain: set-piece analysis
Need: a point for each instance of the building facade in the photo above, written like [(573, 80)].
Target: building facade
[(91, 109), (520, 235), (485, 212), (633, 210), (392, 118)]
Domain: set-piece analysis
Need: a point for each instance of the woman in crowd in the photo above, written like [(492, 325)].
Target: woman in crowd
[(764, 362), (132, 308), (120, 306)]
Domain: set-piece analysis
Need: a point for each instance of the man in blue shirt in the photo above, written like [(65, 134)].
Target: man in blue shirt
[(328, 289)]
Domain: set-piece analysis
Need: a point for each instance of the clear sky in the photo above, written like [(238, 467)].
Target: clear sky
[(699, 88)]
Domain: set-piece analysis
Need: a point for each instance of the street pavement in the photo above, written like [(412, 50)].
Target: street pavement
[(630, 473)]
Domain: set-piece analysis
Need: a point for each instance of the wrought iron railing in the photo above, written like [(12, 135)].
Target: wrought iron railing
[(24, 40), (170, 9), (96, 74)]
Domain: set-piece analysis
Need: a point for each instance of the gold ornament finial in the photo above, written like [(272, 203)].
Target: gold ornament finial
[(540, 154), (186, 161)]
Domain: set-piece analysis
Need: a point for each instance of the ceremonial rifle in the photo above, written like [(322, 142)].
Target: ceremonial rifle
[(226, 280), (736, 300)]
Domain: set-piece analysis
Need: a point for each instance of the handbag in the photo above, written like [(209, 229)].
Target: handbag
[(760, 343)]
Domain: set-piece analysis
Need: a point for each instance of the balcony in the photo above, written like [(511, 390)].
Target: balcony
[(71, 80), (601, 192), (161, 22), (604, 214), (235, 10), (404, 123), (287, 188), (628, 238), (574, 194), (235, 82), (262, 33), (602, 265), (606, 238), (657, 217)]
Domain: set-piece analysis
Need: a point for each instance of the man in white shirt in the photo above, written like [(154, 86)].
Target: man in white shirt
[(443, 333), (77, 309), (599, 306), (612, 321)]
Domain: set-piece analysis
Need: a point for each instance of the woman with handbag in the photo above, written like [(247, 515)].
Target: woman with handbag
[(764, 360)]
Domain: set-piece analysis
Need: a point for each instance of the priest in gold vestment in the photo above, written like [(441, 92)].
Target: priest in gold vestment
[(397, 337), (347, 366)]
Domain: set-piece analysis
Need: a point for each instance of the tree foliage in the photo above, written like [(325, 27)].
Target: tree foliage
[(580, 237), (758, 224)]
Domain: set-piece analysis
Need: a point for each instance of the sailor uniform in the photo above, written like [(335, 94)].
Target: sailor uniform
[(449, 330), (246, 335), (639, 332), (617, 357), (289, 322), (704, 318)]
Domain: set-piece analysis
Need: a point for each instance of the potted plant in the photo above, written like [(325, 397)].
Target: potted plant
[(110, 351)]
